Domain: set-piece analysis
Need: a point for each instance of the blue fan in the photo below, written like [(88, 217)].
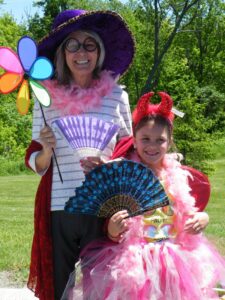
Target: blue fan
[(116, 186)]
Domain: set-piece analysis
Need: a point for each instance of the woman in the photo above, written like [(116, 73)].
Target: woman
[(90, 50)]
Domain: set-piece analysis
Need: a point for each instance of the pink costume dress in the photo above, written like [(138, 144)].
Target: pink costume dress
[(156, 260)]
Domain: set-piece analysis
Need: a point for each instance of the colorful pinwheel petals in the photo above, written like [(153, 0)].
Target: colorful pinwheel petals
[(24, 69)]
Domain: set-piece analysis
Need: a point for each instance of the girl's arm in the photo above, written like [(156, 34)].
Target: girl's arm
[(196, 223), (117, 225)]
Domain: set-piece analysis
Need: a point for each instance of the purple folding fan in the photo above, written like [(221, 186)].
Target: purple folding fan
[(88, 136)]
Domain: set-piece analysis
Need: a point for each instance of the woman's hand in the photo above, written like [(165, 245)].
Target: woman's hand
[(91, 162), (196, 223), (48, 141), (117, 225)]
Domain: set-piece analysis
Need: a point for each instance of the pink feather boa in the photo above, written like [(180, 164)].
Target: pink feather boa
[(75, 100), (175, 182)]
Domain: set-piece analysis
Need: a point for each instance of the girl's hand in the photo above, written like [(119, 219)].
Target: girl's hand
[(47, 139), (91, 162), (196, 223), (117, 225)]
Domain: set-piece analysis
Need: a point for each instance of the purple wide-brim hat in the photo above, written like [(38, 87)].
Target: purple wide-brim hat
[(117, 39)]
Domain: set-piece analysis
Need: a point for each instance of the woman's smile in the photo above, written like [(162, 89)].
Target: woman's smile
[(81, 63)]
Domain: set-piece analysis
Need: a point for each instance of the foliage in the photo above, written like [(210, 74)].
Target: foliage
[(190, 135), (191, 68), (15, 130), (10, 32), (15, 166), (214, 108)]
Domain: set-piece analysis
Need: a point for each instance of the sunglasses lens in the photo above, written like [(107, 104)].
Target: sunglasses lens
[(90, 45), (72, 45)]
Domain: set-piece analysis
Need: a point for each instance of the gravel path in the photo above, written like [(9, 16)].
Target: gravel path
[(16, 294), (12, 291)]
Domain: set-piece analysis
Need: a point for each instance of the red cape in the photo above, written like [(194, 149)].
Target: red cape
[(41, 267)]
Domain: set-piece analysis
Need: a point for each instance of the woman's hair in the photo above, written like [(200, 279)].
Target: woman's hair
[(158, 120), (62, 72)]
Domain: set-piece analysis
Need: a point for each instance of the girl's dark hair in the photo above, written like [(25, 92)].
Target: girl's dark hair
[(159, 120)]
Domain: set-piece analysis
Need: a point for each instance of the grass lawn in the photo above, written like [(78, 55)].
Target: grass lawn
[(216, 207), (16, 217), (16, 225)]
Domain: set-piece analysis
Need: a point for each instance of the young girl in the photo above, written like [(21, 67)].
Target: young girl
[(161, 255)]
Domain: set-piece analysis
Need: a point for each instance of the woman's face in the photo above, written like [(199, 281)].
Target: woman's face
[(152, 142), (82, 62)]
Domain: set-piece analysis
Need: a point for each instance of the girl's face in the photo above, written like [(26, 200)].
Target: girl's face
[(152, 142), (83, 61)]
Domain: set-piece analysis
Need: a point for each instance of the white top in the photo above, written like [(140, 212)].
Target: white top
[(114, 108)]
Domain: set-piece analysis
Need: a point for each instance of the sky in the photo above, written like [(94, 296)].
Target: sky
[(18, 8)]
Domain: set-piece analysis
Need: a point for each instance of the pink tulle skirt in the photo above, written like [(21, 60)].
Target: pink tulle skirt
[(137, 270)]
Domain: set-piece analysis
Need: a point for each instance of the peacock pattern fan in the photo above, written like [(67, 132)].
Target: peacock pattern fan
[(116, 186), (88, 136)]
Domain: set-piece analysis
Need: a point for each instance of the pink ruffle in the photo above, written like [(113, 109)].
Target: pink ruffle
[(75, 100), (140, 271)]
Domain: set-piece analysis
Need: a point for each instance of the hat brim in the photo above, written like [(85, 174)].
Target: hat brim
[(117, 39)]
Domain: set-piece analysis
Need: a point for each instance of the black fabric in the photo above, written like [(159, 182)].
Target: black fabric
[(71, 233)]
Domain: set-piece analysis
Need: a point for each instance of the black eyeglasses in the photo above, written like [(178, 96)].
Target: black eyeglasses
[(73, 45)]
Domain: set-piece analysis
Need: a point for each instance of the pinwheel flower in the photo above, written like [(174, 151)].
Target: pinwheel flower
[(25, 68)]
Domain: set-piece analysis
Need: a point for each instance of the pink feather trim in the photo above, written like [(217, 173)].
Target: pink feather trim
[(175, 182), (75, 100)]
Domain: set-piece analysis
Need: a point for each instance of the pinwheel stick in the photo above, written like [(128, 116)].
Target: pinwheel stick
[(53, 151)]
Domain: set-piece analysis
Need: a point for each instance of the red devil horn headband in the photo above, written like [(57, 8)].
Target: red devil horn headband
[(166, 104), (144, 101), (145, 108)]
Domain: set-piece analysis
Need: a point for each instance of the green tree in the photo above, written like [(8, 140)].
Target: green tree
[(204, 43), (179, 19), (10, 31), (213, 104), (14, 128)]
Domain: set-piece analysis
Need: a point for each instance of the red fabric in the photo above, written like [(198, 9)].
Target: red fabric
[(199, 183), (123, 147), (41, 267), (200, 187)]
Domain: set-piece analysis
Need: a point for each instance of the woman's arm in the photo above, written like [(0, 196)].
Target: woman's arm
[(39, 153), (125, 116)]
